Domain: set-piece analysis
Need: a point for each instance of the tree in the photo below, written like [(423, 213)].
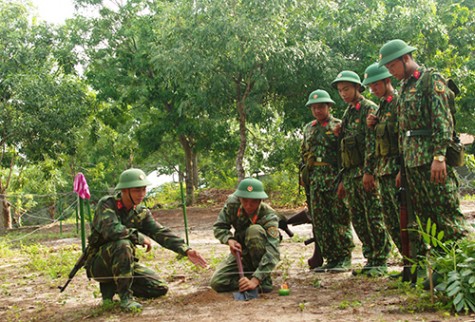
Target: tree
[(40, 105)]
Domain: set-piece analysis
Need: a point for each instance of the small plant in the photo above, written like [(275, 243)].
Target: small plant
[(453, 263), (346, 304)]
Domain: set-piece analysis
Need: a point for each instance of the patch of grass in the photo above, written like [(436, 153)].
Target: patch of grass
[(37, 236), (44, 260), (347, 304)]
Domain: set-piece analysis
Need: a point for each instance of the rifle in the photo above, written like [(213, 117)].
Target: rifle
[(405, 211), (79, 264), (300, 218), (283, 224)]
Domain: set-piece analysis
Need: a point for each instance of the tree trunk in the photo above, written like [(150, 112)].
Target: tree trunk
[(6, 216), (242, 140), (189, 164), (195, 171)]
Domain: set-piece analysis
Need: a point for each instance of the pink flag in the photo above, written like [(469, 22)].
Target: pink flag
[(81, 187)]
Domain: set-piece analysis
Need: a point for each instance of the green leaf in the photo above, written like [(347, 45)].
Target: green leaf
[(452, 291)]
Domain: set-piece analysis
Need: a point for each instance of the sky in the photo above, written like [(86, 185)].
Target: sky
[(54, 11)]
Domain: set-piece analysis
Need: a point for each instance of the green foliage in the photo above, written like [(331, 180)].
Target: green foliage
[(43, 261), (283, 189), (167, 195), (454, 262)]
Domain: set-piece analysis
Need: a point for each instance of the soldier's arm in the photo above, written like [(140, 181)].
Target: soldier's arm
[(108, 225), (370, 143), (222, 226), (161, 234), (441, 117)]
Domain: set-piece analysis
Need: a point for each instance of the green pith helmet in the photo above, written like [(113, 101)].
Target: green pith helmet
[(348, 76), (319, 96), (250, 188), (393, 49), (132, 178), (375, 73)]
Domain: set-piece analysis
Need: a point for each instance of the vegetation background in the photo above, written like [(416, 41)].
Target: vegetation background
[(213, 91)]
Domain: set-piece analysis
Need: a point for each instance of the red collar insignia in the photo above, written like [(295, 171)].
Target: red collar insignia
[(389, 99), (324, 124), (119, 204), (416, 74), (358, 106)]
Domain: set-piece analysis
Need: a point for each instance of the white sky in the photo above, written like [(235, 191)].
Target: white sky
[(54, 11)]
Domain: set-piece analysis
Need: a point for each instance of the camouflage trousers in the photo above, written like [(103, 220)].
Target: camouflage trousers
[(331, 221), (226, 278), (367, 218), (439, 202), (390, 203), (115, 265)]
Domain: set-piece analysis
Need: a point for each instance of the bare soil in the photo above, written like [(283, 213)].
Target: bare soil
[(26, 296)]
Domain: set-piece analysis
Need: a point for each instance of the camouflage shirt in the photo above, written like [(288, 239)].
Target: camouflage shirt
[(354, 124), (319, 143), (417, 111), (387, 112), (113, 222), (233, 216)]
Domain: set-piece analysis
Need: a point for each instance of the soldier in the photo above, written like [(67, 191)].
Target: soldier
[(384, 124), (256, 237), (358, 183), (330, 217), (425, 130), (119, 225)]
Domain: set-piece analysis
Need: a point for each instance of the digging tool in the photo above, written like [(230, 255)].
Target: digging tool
[(246, 295)]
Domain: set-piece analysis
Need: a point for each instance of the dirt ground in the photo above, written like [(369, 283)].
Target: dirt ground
[(313, 297)]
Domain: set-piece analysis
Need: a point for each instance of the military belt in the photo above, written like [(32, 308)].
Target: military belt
[(418, 133)]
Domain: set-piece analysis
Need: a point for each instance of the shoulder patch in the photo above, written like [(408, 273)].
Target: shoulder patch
[(273, 232), (439, 87)]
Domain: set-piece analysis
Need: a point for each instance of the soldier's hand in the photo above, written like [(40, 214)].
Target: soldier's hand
[(234, 246), (368, 182), (196, 258), (371, 120), (246, 284), (341, 192), (438, 172), (337, 129), (147, 243)]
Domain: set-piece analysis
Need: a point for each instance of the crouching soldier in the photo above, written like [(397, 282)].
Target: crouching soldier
[(256, 237), (119, 225)]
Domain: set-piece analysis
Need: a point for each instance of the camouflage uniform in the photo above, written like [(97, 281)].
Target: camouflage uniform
[(439, 202), (259, 238), (365, 207), (387, 165), (330, 217), (115, 234)]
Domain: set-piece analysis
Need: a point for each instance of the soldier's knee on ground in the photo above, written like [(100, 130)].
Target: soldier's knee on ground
[(222, 286)]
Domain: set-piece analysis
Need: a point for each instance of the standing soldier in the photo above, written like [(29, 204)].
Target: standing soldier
[(384, 124), (358, 182), (119, 225), (248, 226), (330, 217), (425, 131)]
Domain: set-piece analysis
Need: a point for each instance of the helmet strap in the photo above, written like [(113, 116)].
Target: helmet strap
[(131, 199)]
